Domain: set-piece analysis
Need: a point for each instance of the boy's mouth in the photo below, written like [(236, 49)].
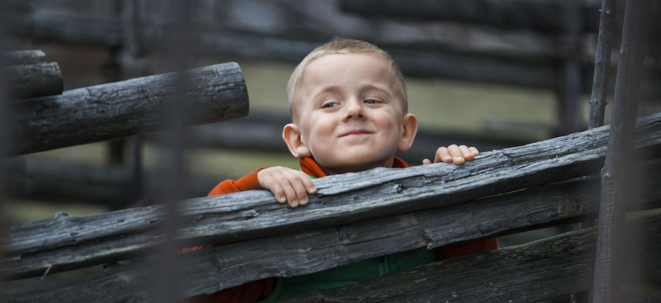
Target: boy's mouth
[(356, 132)]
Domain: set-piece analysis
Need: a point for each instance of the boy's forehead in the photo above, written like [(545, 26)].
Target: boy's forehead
[(337, 67)]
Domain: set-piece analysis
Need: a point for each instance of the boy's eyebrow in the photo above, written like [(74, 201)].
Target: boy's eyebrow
[(371, 87)]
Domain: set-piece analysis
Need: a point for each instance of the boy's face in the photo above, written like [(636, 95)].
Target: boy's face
[(349, 111)]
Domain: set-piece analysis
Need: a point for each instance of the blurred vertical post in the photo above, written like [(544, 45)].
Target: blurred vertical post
[(5, 116), (131, 65), (177, 49), (598, 99), (569, 82), (610, 251)]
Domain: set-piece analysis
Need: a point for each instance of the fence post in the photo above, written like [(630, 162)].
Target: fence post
[(598, 99), (610, 254)]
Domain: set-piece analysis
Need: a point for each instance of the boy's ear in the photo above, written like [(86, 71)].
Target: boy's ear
[(292, 136), (409, 129)]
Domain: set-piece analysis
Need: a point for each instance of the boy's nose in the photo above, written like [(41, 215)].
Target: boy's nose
[(353, 109)]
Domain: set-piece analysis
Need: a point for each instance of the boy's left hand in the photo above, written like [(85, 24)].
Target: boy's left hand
[(454, 153)]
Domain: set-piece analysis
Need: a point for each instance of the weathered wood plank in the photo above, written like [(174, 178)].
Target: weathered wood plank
[(325, 248), (615, 176), (545, 16), (542, 269), (527, 273), (97, 113), (22, 57), (33, 80), (112, 236)]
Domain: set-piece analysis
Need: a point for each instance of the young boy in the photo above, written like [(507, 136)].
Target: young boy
[(349, 111)]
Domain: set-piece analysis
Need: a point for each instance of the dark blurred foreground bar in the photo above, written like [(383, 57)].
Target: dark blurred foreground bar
[(98, 113)]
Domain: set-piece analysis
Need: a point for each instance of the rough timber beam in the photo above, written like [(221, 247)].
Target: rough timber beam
[(98, 113)]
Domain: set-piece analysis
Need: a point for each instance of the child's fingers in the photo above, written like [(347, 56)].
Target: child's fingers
[(290, 193), (456, 154), (426, 161), (309, 186), (299, 191), (474, 151), (442, 154), (467, 153)]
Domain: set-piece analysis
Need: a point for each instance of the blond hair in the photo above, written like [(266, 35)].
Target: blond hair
[(341, 46)]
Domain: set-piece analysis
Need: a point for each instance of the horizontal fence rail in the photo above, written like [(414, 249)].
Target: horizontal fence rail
[(97, 113), (531, 272), (540, 270), (66, 242)]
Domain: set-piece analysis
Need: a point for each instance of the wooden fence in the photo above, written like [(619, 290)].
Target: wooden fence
[(352, 217)]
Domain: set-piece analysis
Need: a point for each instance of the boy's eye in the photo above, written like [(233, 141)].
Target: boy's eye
[(329, 104), (370, 101)]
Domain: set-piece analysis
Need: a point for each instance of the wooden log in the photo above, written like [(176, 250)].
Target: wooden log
[(340, 200), (615, 177), (22, 57), (599, 86), (527, 273), (535, 271), (97, 113), (322, 248), (34, 80), (601, 64), (545, 16), (60, 181)]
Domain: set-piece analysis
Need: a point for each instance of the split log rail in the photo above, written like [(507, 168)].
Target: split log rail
[(29, 75)]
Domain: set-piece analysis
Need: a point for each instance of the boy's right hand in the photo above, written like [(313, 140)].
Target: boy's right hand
[(288, 185)]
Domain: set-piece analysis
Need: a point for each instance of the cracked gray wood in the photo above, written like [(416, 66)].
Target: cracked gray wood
[(526, 273), (66, 242), (33, 80), (102, 112)]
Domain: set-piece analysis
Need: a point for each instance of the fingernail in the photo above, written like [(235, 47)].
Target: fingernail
[(313, 189), (281, 199), (294, 204), (304, 201), (459, 160)]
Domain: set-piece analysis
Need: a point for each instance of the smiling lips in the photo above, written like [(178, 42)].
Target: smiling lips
[(356, 132)]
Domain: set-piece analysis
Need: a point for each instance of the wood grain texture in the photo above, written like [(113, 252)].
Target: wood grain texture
[(69, 241), (97, 113), (602, 64), (615, 176), (33, 80), (527, 273)]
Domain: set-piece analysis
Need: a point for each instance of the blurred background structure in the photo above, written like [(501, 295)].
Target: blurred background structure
[(489, 74)]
